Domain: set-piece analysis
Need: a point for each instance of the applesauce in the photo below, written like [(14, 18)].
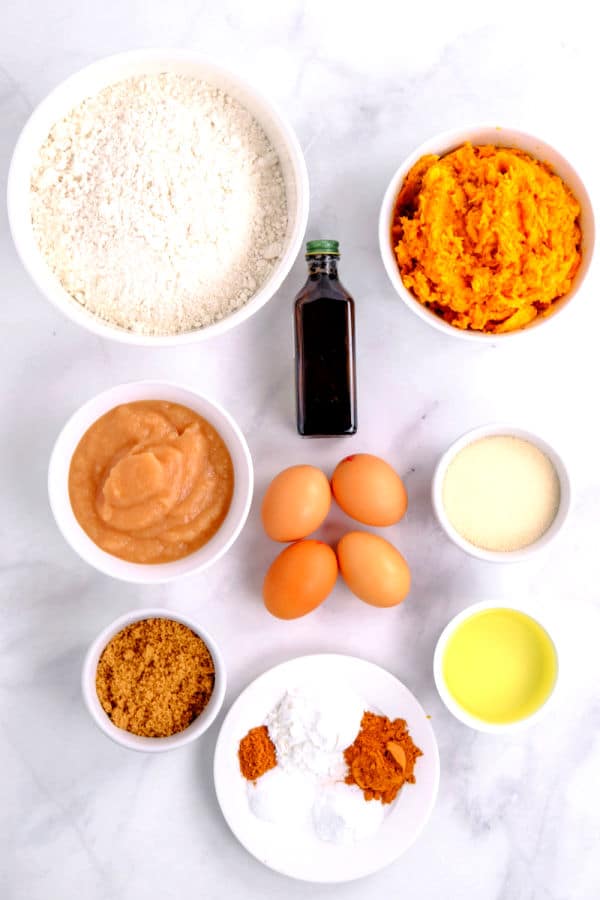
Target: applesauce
[(151, 481)]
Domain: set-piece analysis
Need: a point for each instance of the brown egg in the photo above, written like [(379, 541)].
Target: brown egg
[(295, 503), (373, 569), (369, 490), (299, 579)]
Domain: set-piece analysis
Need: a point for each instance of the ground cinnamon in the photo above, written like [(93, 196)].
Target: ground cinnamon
[(256, 753), (155, 677), (382, 757)]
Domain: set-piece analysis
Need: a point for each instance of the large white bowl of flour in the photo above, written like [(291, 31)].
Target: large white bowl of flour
[(153, 213)]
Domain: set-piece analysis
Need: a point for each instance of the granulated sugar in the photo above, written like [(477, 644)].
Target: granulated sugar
[(501, 493), (159, 204)]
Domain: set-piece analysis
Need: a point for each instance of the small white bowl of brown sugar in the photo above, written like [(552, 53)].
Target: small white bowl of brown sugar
[(157, 198), (501, 493), (153, 680)]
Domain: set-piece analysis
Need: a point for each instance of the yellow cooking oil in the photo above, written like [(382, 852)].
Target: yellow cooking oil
[(500, 665)]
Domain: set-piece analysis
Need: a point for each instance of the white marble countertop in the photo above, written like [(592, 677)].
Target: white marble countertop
[(517, 817)]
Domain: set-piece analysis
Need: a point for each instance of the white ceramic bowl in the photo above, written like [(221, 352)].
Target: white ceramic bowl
[(455, 708), (58, 482), (501, 137), (93, 79), (491, 555), (136, 741)]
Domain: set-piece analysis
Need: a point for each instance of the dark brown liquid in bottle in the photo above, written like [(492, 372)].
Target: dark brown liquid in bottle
[(325, 353)]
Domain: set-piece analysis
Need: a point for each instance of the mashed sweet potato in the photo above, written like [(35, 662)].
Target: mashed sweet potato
[(486, 237)]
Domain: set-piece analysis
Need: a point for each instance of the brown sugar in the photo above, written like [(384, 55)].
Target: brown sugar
[(382, 757), (155, 677), (256, 753)]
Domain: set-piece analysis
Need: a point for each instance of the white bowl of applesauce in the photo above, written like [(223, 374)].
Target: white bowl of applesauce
[(150, 481)]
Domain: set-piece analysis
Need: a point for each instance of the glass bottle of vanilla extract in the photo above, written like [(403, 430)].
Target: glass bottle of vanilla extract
[(325, 348)]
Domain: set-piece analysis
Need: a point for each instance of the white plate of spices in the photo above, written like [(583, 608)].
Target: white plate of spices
[(326, 768)]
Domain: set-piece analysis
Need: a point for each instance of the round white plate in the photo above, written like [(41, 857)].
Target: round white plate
[(298, 852)]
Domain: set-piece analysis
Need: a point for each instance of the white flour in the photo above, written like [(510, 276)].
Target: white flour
[(159, 204), (312, 727)]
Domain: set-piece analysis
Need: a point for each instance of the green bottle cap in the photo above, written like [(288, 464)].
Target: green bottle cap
[(315, 248)]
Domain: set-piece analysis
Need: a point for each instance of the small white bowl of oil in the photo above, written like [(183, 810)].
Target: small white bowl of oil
[(496, 667)]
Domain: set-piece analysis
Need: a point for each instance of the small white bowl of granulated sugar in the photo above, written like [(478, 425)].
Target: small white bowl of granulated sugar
[(501, 493), (156, 198)]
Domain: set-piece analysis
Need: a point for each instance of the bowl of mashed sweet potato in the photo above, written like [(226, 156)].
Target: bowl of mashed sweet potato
[(486, 232)]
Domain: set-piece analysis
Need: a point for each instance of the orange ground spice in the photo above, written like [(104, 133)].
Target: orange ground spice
[(486, 237), (256, 753), (382, 757)]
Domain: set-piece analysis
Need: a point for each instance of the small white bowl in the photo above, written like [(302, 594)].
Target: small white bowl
[(58, 482), (493, 555), (500, 137), (448, 700), (90, 81), (136, 741)]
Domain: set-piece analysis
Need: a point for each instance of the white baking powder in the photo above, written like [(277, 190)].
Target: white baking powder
[(159, 204), (341, 815)]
